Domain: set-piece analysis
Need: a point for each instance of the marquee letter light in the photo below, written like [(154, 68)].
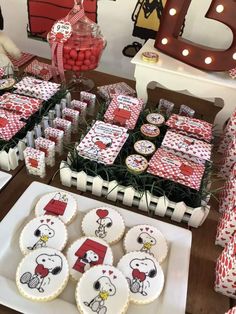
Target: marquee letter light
[(205, 58)]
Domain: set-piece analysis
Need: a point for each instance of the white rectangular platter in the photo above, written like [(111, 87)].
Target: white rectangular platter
[(4, 178), (175, 267)]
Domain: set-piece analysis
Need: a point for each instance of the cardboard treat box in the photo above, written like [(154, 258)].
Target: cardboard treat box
[(225, 281), (186, 111), (229, 160), (229, 134), (90, 100), (109, 91), (228, 195), (55, 136), (79, 106), (226, 226), (190, 147), (124, 111), (41, 70), (9, 124), (35, 162), (48, 147), (64, 125), (194, 127), (177, 169), (72, 116), (165, 107)]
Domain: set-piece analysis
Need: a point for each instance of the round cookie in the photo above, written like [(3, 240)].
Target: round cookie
[(136, 163), (144, 275), (150, 130), (58, 203), (42, 275), (102, 289), (148, 239), (144, 147), (105, 223), (43, 231), (155, 118), (87, 252)]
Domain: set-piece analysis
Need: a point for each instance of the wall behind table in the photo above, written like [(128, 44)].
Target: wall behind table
[(114, 17)]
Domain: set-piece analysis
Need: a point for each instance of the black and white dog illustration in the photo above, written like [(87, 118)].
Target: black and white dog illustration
[(44, 233), (46, 264), (143, 269), (105, 289), (90, 258), (147, 242), (103, 223)]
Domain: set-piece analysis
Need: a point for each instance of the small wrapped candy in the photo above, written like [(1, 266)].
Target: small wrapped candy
[(55, 136), (35, 162), (48, 147)]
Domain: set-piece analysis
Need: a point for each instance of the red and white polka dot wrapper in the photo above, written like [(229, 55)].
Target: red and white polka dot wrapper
[(48, 147), (228, 194), (79, 106), (72, 116), (55, 136), (187, 145), (90, 100), (226, 270), (232, 73), (229, 160), (40, 69), (194, 127), (22, 105), (9, 124), (64, 125), (35, 161), (226, 226), (103, 142), (229, 134), (33, 87), (124, 110), (165, 107), (232, 311), (177, 169), (186, 111), (109, 91)]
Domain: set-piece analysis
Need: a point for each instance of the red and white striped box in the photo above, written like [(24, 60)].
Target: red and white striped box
[(55, 136), (225, 281), (35, 162), (226, 226), (64, 125), (229, 134), (177, 169), (109, 91), (228, 194), (190, 147), (48, 147), (124, 111), (80, 106), (72, 116), (232, 311), (194, 127), (229, 160)]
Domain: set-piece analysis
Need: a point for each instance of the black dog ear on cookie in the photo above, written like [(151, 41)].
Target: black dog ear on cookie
[(97, 285), (37, 233), (152, 273), (1, 20), (140, 240), (56, 270)]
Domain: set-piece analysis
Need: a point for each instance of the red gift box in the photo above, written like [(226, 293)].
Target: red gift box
[(56, 206)]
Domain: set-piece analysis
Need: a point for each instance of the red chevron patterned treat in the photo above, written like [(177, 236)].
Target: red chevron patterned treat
[(177, 169), (65, 126), (40, 69), (229, 133), (232, 311), (229, 160), (22, 105), (188, 146), (165, 107), (226, 270), (35, 161), (9, 124), (72, 116), (196, 128), (55, 136), (228, 194), (109, 91), (90, 100), (48, 147), (103, 142), (124, 110), (33, 87), (226, 226), (186, 111)]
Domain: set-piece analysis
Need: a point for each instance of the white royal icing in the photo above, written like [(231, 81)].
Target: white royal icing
[(58, 203), (102, 289), (43, 231), (144, 275), (105, 223), (148, 239), (144, 147), (87, 252), (155, 118), (136, 163), (42, 274)]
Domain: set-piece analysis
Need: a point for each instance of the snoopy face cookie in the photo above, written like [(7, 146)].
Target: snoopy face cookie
[(147, 239), (43, 231), (87, 252), (42, 275), (144, 275), (59, 203), (102, 289), (105, 223)]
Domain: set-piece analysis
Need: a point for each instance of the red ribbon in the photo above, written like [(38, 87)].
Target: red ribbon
[(57, 47)]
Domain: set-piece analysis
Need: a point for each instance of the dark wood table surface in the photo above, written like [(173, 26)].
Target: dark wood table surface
[(201, 298)]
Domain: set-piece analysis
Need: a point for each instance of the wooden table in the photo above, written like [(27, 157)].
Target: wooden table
[(201, 296)]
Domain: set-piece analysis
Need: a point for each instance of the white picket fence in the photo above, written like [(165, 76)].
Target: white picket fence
[(161, 206)]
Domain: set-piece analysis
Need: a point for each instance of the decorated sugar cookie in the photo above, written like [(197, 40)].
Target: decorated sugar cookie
[(87, 252), (43, 231), (150, 130), (58, 203), (144, 275), (136, 163), (155, 118), (102, 289), (105, 223), (147, 239), (42, 275), (144, 147)]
